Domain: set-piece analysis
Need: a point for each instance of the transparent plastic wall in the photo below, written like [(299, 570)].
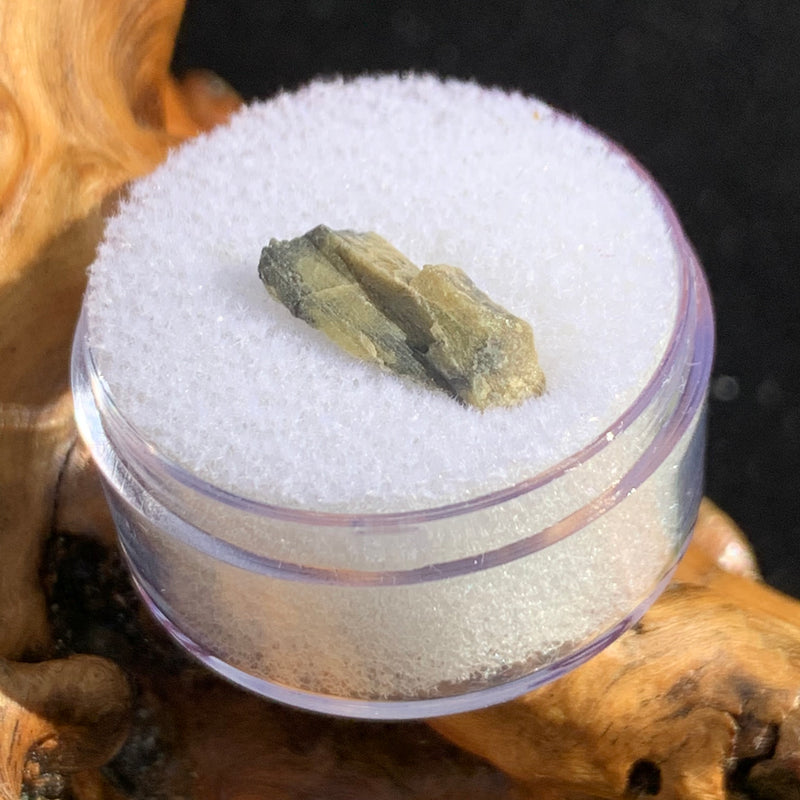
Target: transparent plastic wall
[(423, 612)]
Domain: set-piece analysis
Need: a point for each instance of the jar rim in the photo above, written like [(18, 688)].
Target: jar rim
[(693, 305)]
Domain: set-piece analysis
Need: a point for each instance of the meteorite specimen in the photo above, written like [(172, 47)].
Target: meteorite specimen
[(432, 325)]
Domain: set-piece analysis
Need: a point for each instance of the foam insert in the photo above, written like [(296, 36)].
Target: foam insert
[(545, 215)]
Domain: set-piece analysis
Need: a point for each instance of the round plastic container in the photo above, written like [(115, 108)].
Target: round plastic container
[(398, 615)]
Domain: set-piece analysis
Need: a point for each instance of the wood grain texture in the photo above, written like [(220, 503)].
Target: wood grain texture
[(86, 105), (58, 717)]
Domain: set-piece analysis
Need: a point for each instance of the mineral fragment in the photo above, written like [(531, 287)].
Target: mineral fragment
[(432, 325)]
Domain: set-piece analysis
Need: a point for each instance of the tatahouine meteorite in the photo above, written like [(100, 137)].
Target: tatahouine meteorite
[(432, 325)]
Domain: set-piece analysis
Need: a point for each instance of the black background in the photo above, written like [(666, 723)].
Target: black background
[(705, 93)]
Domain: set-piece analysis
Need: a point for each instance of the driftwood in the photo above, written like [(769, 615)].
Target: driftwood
[(700, 700), (59, 716)]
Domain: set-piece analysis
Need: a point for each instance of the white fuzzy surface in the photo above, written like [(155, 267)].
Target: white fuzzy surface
[(541, 213)]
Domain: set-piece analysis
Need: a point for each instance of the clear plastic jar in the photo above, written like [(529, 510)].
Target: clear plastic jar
[(397, 616)]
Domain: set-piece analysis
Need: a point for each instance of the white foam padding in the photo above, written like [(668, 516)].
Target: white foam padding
[(544, 215)]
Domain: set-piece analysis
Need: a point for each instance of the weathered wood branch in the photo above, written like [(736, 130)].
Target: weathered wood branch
[(58, 717), (83, 88), (86, 104)]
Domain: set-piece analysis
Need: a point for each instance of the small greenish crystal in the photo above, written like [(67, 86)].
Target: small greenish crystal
[(432, 325)]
